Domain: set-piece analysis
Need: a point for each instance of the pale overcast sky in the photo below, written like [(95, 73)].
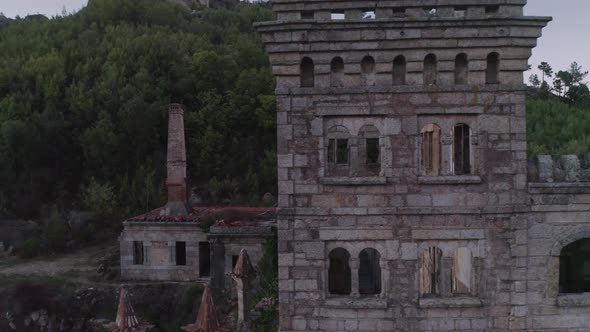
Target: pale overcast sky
[(564, 41)]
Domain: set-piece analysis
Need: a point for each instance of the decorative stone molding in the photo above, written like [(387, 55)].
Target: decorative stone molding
[(452, 179), (449, 302), (574, 300), (356, 181)]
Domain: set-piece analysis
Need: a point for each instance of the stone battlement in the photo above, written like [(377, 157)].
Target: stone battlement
[(559, 169)]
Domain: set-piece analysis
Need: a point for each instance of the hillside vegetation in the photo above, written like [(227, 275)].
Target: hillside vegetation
[(83, 107)]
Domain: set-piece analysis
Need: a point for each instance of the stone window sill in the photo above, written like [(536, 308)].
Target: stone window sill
[(453, 179), (348, 302), (358, 181), (449, 302), (574, 300)]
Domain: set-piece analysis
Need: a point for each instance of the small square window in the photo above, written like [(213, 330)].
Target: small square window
[(337, 15), (307, 15), (492, 9), (460, 11), (399, 11)]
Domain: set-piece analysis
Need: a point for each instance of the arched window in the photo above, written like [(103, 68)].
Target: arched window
[(430, 70), (430, 150), (574, 267), (461, 149), (493, 68), (369, 272), (399, 70), (337, 72), (462, 271), (307, 73), (461, 69), (430, 272), (368, 70), (338, 151), (370, 150), (339, 272)]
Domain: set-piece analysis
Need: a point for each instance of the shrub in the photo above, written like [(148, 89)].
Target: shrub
[(31, 248)]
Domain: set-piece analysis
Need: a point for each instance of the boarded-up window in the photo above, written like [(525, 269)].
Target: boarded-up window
[(204, 259), (430, 272), (461, 69), (369, 272), (430, 70), (138, 253), (462, 271), (430, 150), (461, 149), (307, 73), (399, 70), (180, 253), (493, 68), (368, 70), (339, 281), (337, 72), (574, 267)]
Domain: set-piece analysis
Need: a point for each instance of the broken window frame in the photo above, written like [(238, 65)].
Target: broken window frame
[(462, 149), (339, 272), (431, 272), (338, 151)]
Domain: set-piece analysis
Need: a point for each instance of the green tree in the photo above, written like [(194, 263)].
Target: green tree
[(546, 70)]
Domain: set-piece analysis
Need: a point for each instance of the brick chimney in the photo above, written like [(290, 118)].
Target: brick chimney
[(176, 162)]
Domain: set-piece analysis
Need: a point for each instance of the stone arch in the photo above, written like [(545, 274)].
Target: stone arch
[(399, 70), (430, 73), (493, 68), (368, 70), (337, 72), (369, 272), (461, 69), (574, 267), (565, 240), (307, 73), (339, 276)]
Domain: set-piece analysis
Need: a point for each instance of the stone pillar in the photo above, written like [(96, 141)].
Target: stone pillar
[(244, 276), (354, 276)]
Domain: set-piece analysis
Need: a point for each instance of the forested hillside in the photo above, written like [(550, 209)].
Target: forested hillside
[(83, 107)]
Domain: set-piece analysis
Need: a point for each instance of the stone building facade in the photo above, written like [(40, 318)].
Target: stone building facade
[(178, 242), (405, 200)]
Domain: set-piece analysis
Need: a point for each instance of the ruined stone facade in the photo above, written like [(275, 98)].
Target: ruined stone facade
[(405, 202)]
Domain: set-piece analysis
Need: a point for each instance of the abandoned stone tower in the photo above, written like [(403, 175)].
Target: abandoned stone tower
[(406, 201)]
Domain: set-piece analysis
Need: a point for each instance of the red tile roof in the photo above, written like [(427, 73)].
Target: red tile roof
[(207, 320), (231, 216), (243, 268), (127, 320)]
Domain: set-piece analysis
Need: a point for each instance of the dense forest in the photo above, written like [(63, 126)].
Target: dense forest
[(83, 107), (83, 102)]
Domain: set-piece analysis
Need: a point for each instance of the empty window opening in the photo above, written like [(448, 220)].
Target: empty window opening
[(430, 11), (462, 271), (138, 253), (460, 11), (307, 73), (574, 267), (204, 259), (368, 70), (430, 70), (180, 253), (369, 272), (337, 72), (399, 11), (461, 69), (431, 150), (307, 14), (337, 15), (338, 151), (368, 14), (493, 68), (339, 277), (399, 70), (492, 9), (430, 272), (372, 151), (461, 149)]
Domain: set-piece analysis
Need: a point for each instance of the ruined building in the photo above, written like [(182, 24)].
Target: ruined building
[(178, 242), (405, 197)]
